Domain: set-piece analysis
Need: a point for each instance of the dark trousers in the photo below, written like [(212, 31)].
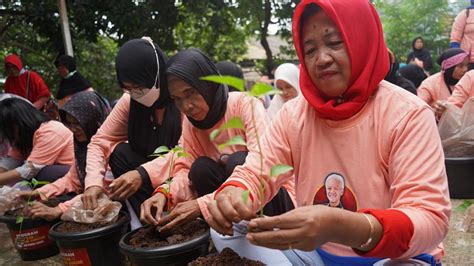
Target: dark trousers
[(124, 159), (206, 175), (52, 173)]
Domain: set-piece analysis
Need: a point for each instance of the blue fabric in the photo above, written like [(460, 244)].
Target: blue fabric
[(334, 260), (454, 45)]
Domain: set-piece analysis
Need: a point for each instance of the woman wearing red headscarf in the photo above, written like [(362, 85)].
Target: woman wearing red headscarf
[(381, 140)]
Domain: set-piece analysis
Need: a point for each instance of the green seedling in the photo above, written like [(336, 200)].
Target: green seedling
[(33, 184), (176, 152), (257, 90)]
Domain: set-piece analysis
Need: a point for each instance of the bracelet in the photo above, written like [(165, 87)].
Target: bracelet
[(369, 240)]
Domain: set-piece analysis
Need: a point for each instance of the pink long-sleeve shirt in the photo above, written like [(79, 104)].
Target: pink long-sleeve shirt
[(463, 90), (389, 155), (53, 143), (462, 32), (434, 89), (197, 143)]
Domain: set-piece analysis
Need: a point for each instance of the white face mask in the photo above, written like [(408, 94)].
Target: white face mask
[(146, 97)]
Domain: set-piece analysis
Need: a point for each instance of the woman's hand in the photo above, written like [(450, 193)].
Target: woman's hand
[(90, 196), (156, 202), (182, 213), (303, 228), (34, 194), (39, 210), (439, 107), (229, 207), (125, 186)]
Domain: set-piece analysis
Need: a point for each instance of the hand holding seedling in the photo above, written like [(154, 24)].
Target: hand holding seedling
[(39, 210), (228, 207), (156, 202), (125, 186), (182, 213), (34, 194), (90, 196)]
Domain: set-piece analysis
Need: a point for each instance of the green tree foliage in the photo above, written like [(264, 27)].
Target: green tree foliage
[(404, 20)]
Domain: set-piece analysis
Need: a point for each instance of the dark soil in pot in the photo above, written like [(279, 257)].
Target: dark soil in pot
[(226, 257), (91, 244), (145, 246), (30, 238)]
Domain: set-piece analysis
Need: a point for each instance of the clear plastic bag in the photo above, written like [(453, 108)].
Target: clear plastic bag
[(456, 129), (467, 222), (9, 200), (107, 211)]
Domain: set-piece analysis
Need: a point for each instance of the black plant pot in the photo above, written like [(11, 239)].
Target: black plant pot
[(460, 173), (33, 242), (178, 254), (95, 247)]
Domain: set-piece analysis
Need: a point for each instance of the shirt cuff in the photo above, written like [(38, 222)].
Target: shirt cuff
[(398, 230), (144, 176), (232, 184)]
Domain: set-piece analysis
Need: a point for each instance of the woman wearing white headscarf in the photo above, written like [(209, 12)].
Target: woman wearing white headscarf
[(287, 81)]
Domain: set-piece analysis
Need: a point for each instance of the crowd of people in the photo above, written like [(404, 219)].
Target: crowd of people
[(368, 179)]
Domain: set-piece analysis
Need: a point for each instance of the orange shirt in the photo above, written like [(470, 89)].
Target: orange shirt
[(463, 90), (433, 89), (389, 155)]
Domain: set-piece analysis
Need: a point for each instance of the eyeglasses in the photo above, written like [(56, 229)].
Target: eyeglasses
[(136, 92)]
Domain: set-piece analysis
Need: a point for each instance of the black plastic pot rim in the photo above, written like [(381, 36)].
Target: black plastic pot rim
[(79, 236), (459, 159), (138, 252)]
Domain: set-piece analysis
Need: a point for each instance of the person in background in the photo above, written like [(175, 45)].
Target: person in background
[(207, 106), (382, 139), (228, 68), (40, 148), (83, 114), (71, 80), (438, 87), (420, 53), (462, 33), (413, 73), (394, 76), (287, 82), (25, 83), (144, 119)]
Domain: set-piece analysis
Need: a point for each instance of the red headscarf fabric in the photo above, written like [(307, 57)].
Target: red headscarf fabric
[(14, 60), (361, 30)]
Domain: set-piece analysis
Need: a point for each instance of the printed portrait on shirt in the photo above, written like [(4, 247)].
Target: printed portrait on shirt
[(334, 193)]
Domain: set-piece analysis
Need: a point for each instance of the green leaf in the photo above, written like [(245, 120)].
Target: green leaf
[(280, 169), (214, 134), (34, 182), (245, 196), (234, 122), (464, 205), (260, 89), (228, 80), (236, 140), (19, 219), (177, 149), (25, 183), (183, 154), (42, 182), (161, 149)]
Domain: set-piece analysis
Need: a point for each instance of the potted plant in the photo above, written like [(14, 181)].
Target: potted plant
[(91, 243), (147, 246), (30, 236)]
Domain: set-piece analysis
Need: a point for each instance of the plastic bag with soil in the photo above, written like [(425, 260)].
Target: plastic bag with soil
[(106, 212), (456, 129), (226, 257), (467, 222), (9, 200)]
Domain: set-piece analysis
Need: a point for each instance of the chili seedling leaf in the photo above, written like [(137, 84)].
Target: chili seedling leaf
[(236, 140), (280, 169), (228, 80), (245, 196)]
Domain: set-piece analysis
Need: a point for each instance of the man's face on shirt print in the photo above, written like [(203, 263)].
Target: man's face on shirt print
[(334, 191)]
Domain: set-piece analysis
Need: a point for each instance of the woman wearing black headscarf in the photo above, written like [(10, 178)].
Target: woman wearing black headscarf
[(144, 118), (413, 73), (394, 76), (420, 53), (82, 114), (71, 80), (437, 88), (207, 106)]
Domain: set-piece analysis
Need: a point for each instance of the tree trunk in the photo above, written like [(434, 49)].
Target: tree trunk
[(269, 65)]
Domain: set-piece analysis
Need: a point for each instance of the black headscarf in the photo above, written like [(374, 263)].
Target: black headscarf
[(227, 68), (90, 111), (394, 76), (190, 65), (422, 54), (136, 63), (413, 73), (66, 61), (448, 73), (72, 84)]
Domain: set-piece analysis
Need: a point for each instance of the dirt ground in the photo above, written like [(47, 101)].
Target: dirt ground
[(459, 246)]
